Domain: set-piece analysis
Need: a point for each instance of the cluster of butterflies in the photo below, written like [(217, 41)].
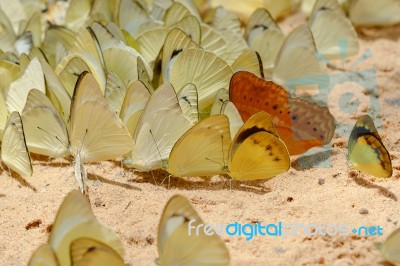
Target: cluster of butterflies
[(360, 12), (164, 88), (77, 238), (163, 85)]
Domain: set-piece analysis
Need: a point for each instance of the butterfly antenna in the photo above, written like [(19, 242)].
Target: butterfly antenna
[(56, 137), (64, 172), (154, 178), (83, 141), (222, 146), (214, 161)]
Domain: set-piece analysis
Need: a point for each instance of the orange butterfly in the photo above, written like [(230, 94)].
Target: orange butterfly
[(301, 124)]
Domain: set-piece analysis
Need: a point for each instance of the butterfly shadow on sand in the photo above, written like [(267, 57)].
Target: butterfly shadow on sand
[(162, 178)]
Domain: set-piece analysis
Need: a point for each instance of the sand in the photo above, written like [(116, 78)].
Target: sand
[(131, 203)]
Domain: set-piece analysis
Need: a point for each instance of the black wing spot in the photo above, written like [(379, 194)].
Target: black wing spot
[(176, 52)]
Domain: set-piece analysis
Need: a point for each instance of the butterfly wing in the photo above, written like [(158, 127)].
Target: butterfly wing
[(249, 61), (205, 70), (89, 252), (46, 132), (75, 220), (374, 13), (338, 42), (366, 151), (43, 256), (13, 147), (301, 124), (32, 78), (235, 120), (159, 127), (177, 247), (134, 102), (259, 21), (207, 143), (187, 98), (391, 248), (269, 155), (97, 133), (297, 61)]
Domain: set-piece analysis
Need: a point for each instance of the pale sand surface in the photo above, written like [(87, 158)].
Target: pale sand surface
[(132, 204)]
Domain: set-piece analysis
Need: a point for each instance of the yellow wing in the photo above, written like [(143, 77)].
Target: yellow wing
[(366, 151), (46, 132), (334, 35), (32, 78), (13, 147), (207, 143), (75, 220), (161, 124), (256, 151), (89, 252), (97, 133), (205, 70), (177, 247)]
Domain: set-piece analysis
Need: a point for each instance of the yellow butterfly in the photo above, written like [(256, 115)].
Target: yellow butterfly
[(77, 238), (177, 247), (257, 152), (366, 151), (390, 249), (208, 143)]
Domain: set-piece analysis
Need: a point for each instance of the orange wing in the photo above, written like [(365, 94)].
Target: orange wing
[(301, 124)]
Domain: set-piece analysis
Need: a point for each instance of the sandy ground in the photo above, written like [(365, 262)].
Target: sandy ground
[(132, 204)]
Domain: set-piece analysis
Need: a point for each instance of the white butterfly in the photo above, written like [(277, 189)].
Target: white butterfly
[(159, 127), (95, 132)]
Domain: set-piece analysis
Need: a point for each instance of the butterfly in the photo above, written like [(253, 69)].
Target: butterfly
[(264, 36), (374, 13), (78, 238), (32, 78), (366, 151), (390, 249), (297, 62), (160, 125), (177, 247), (300, 123), (209, 144), (14, 152), (202, 68), (94, 132), (341, 39)]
